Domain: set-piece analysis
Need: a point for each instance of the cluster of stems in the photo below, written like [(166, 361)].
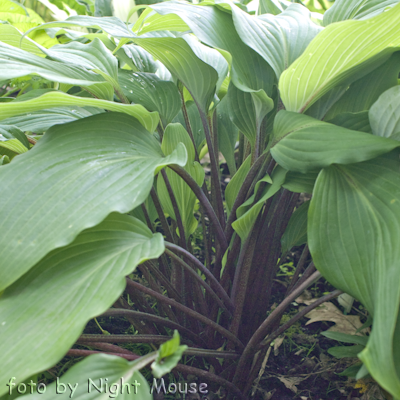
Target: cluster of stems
[(220, 299)]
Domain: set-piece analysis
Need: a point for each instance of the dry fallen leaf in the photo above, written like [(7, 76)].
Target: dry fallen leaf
[(277, 343), (305, 298), (343, 323), (290, 382)]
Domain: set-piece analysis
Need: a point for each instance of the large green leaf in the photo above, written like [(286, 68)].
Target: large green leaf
[(384, 115), (111, 25), (56, 99), (365, 91), (281, 39), (234, 185), (195, 123), (50, 305), (15, 63), (354, 121), (247, 110), (71, 180), (296, 231), (152, 93), (210, 56), (80, 6), (12, 36), (12, 7), (157, 22), (197, 76), (98, 377), (356, 9), (300, 183), (215, 28), (93, 56), (306, 144), (340, 54), (40, 121), (274, 7), (185, 198), (142, 59), (248, 212), (353, 234)]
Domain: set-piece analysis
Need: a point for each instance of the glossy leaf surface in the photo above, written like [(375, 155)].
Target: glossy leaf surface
[(56, 99), (359, 205), (384, 115), (307, 144), (71, 180), (339, 55), (66, 289)]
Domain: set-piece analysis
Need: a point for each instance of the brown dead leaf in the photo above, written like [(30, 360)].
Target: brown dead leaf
[(290, 382), (277, 343), (305, 298), (343, 323)]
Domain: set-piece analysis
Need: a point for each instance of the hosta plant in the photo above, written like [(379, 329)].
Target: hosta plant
[(105, 130)]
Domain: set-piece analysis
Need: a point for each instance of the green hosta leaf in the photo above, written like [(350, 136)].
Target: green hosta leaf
[(356, 9), (71, 180), (307, 144), (150, 21), (15, 63), (274, 7), (248, 109), (248, 212), (99, 376), (296, 231), (340, 54), (40, 121), (93, 56), (169, 354), (12, 36), (12, 7), (233, 187), (93, 268), (353, 231), (384, 115), (12, 141), (215, 28), (152, 93), (300, 183), (281, 39), (4, 160), (111, 25), (345, 351), (185, 198), (142, 59), (195, 123), (10, 131), (345, 338), (197, 76), (80, 6), (354, 121), (103, 8), (210, 56), (227, 135), (364, 92), (56, 99)]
